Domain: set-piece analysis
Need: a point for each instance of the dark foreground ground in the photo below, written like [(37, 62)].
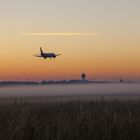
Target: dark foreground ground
[(71, 120)]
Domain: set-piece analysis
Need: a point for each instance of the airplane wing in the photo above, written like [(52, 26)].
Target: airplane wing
[(37, 55), (58, 54)]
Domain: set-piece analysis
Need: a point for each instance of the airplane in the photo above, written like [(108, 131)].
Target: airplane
[(46, 55)]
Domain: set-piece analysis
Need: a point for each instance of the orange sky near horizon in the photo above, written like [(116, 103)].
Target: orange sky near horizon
[(87, 54), (99, 38)]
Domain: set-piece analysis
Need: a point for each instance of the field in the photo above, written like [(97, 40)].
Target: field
[(71, 120)]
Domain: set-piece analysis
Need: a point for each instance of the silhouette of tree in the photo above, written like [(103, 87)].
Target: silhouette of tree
[(83, 76)]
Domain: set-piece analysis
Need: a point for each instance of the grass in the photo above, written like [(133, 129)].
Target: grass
[(71, 120)]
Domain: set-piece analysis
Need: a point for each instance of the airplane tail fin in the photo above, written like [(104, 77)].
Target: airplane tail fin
[(41, 50)]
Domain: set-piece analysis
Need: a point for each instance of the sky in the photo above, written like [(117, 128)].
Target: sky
[(98, 37)]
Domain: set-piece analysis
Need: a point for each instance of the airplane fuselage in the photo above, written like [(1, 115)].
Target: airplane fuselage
[(48, 55)]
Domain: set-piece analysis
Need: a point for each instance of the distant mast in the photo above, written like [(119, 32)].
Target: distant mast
[(121, 80), (83, 76)]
